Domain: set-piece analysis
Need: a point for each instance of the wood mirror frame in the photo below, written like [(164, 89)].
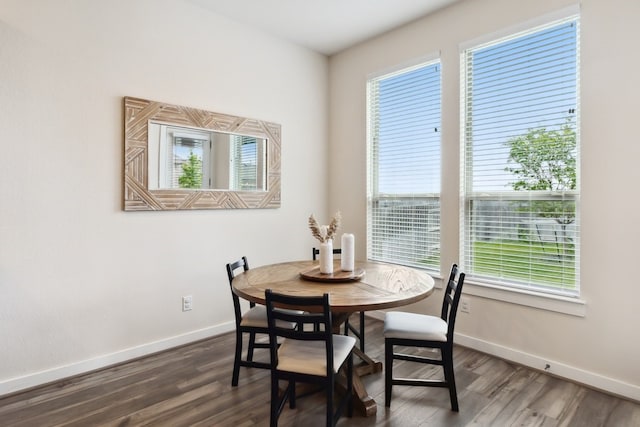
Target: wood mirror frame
[(137, 196)]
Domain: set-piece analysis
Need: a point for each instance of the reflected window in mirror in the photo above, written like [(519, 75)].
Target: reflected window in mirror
[(247, 163), (192, 158)]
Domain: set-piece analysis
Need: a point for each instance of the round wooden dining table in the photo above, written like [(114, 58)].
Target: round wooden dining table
[(371, 286)]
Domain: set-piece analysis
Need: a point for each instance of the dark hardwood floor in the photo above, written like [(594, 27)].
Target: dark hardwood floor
[(191, 386)]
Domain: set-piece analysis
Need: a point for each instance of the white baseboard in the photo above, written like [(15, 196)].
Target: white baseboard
[(606, 384), (591, 379), (13, 385)]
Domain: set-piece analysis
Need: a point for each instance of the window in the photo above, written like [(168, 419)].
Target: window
[(403, 197), (184, 168), (247, 163), (520, 172), (183, 157)]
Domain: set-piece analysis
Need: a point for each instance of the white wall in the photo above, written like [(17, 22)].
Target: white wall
[(601, 348), (82, 283)]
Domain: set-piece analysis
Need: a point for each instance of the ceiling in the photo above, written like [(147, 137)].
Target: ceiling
[(325, 26)]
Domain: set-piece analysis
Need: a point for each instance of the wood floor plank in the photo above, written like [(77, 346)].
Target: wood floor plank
[(191, 386), (504, 395), (624, 413), (594, 409)]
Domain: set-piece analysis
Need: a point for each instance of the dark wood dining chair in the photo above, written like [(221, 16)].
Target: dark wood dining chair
[(252, 322), (311, 355), (419, 330), (359, 333)]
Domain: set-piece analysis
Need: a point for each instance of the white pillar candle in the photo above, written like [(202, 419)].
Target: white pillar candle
[(347, 258), (326, 257)]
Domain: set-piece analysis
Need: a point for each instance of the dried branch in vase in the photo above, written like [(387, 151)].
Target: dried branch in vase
[(324, 232)]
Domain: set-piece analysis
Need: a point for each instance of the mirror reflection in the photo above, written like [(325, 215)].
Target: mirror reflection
[(193, 158)]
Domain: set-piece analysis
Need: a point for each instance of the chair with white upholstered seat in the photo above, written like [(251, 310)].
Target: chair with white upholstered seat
[(311, 355), (252, 322), (419, 330)]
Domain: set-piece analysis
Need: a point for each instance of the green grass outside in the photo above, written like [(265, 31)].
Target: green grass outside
[(521, 261), (546, 264)]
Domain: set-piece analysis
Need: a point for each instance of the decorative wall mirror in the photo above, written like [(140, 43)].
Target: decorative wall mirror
[(183, 158)]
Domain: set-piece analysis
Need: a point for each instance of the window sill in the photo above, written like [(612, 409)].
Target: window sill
[(566, 305)]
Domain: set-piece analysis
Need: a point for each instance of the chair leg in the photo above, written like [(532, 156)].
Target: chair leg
[(236, 361), (252, 343), (362, 331), (330, 415), (388, 372), (350, 386), (275, 402), (447, 357), (291, 389), (346, 326)]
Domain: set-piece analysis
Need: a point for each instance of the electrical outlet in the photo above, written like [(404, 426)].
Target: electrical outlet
[(187, 303), (465, 305)]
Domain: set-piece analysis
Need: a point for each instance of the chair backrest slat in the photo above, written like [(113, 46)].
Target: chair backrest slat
[(316, 251)]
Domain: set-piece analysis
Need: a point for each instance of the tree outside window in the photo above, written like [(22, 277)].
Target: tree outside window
[(191, 172)]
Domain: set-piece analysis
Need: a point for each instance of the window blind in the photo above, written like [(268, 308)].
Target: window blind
[(404, 167), (520, 177), (245, 152)]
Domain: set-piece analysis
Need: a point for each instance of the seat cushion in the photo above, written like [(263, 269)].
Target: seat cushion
[(257, 317), (414, 326), (309, 357)]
